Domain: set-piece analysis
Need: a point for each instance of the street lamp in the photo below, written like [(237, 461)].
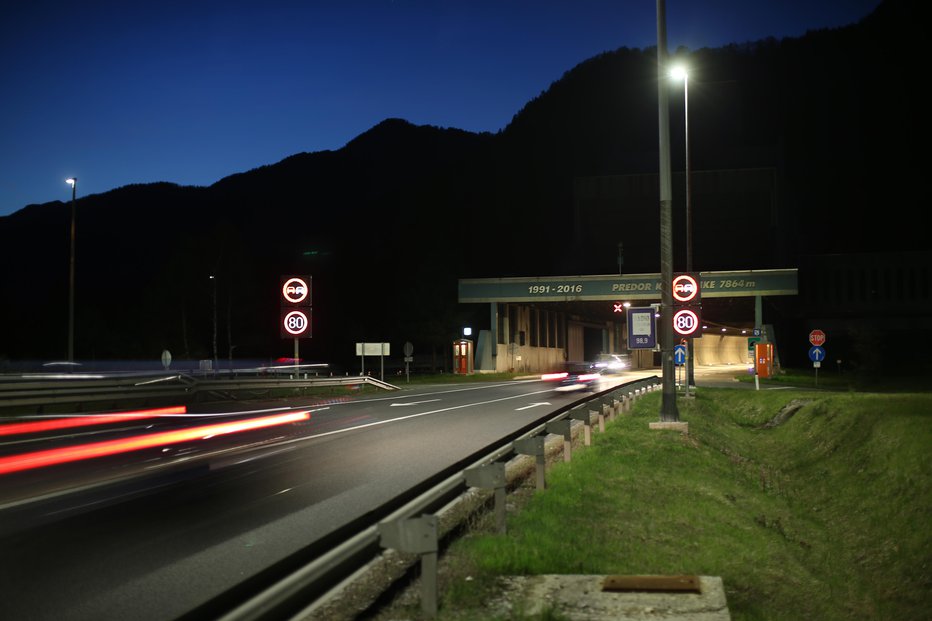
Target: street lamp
[(668, 410), (213, 281), (73, 181), (679, 73)]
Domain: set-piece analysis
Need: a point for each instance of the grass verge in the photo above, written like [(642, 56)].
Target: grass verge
[(821, 515)]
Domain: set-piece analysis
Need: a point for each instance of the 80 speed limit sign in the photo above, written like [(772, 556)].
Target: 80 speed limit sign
[(295, 323), (686, 322)]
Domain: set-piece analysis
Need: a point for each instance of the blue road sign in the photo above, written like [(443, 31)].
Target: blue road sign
[(679, 354), (816, 353)]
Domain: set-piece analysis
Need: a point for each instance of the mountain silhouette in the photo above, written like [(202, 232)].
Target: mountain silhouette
[(798, 146)]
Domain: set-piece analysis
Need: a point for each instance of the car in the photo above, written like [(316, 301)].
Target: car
[(577, 376), (613, 363)]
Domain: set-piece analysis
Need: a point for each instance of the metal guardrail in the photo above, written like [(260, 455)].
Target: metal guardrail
[(338, 562), (36, 392)]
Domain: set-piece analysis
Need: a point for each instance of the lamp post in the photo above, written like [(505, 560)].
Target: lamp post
[(680, 73), (213, 281), (668, 409), (73, 181)]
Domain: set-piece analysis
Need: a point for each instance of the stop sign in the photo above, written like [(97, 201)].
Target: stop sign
[(817, 337)]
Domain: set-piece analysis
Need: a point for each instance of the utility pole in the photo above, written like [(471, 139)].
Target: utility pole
[(74, 189), (668, 410)]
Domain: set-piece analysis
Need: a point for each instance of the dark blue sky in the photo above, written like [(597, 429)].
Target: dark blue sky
[(190, 92)]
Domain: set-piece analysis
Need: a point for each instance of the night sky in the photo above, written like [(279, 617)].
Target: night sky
[(189, 92)]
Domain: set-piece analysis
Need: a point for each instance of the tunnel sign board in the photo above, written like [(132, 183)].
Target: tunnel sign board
[(627, 287), (294, 321)]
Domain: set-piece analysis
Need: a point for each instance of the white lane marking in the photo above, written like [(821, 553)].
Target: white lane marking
[(401, 418), (413, 403), (443, 392), (533, 405)]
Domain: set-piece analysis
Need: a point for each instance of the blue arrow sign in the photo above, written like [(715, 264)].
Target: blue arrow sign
[(679, 354), (817, 354)]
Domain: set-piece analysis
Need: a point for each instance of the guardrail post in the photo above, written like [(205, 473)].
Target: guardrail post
[(581, 413), (534, 446), (417, 536), (563, 428), (608, 406), (601, 416), (491, 476)]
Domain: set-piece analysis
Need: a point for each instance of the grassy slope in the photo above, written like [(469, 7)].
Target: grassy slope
[(823, 517)]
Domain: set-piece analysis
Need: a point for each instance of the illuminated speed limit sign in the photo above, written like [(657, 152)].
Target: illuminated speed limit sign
[(295, 323), (686, 322)]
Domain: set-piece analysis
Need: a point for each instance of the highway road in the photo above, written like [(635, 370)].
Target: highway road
[(203, 516)]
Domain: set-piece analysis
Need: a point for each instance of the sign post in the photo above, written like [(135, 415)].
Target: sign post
[(295, 316), (817, 352), (373, 349), (679, 360), (687, 310), (408, 349)]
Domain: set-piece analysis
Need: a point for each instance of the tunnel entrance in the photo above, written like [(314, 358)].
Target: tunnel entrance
[(592, 343)]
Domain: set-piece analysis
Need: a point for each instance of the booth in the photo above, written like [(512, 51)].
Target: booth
[(463, 356), (763, 359)]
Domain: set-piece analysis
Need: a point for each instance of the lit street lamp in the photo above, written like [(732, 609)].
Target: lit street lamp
[(680, 73), (73, 181)]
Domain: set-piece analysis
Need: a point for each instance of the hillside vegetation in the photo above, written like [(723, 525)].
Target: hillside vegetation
[(819, 514), (788, 139)]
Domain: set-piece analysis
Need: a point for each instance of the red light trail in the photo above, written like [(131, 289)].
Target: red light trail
[(82, 421), (50, 457)]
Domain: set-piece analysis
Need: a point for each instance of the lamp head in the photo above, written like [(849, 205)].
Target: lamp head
[(71, 181)]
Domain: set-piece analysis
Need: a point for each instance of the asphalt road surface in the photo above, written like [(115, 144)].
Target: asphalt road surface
[(246, 502)]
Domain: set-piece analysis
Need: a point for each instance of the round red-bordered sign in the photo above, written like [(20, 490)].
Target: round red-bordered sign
[(296, 323), (295, 290), (685, 322), (685, 288)]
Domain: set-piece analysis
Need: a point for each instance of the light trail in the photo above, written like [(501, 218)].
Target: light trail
[(50, 457), (11, 429)]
